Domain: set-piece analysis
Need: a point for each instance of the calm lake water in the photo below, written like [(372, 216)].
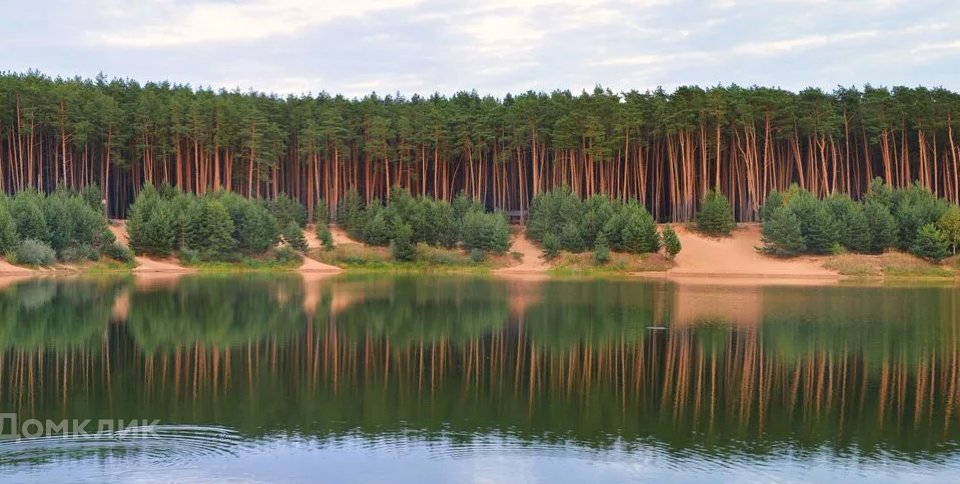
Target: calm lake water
[(457, 379)]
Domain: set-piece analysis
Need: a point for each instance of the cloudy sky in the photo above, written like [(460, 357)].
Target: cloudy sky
[(494, 46)]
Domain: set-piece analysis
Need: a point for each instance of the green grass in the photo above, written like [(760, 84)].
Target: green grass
[(582, 264), (891, 264), (364, 258)]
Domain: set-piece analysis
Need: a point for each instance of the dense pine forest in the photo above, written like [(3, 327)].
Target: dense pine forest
[(664, 149)]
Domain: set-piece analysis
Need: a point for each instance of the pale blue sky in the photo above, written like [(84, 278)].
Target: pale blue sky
[(493, 46)]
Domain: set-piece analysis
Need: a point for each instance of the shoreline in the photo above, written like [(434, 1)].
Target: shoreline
[(703, 260)]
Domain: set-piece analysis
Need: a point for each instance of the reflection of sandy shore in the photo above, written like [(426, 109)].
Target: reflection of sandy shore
[(741, 280)]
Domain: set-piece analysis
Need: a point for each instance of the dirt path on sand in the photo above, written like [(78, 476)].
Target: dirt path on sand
[(737, 256), (531, 264)]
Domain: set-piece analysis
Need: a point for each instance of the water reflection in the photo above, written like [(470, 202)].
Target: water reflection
[(863, 373)]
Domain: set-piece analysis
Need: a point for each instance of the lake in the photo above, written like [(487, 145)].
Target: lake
[(419, 379)]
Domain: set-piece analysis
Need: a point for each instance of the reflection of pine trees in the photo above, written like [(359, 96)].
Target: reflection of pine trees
[(440, 356), (44, 313), (217, 311)]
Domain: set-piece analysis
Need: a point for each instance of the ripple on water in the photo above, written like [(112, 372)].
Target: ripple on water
[(173, 445)]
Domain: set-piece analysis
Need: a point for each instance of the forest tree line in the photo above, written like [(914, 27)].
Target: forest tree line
[(665, 150)]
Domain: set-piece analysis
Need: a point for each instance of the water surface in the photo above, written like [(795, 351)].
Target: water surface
[(462, 379)]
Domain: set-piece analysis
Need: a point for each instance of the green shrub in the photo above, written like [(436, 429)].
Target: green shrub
[(930, 244), (881, 225), (551, 246), (773, 202), (80, 253), (36, 253), (781, 234), (401, 247), (477, 256), (350, 214), (671, 241), (517, 256), (293, 236), (321, 213), (91, 196), (27, 210), (8, 231), (326, 238), (570, 238), (716, 215), (601, 250), (118, 252), (210, 229), (287, 255), (949, 224), (485, 231), (152, 225), (287, 209)]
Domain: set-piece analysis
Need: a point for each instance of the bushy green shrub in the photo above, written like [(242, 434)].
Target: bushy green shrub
[(325, 237), (477, 256), (485, 231), (551, 246), (671, 242), (210, 229), (287, 255), (401, 246), (949, 224), (350, 214), (36, 253), (152, 225), (293, 236), (118, 252), (781, 235), (8, 230), (930, 244), (287, 209), (716, 215), (80, 253), (773, 202), (601, 250), (881, 225), (27, 210), (255, 228), (321, 213)]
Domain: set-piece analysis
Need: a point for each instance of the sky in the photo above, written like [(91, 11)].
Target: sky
[(354, 47)]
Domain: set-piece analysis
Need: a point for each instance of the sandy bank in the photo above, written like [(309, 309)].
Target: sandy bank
[(531, 266), (736, 257)]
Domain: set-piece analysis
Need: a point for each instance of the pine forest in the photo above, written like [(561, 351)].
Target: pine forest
[(664, 149)]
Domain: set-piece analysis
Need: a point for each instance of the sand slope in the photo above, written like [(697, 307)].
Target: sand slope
[(532, 262), (737, 256)]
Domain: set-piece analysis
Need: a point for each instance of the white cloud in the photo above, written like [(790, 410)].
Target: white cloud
[(763, 48), (179, 24)]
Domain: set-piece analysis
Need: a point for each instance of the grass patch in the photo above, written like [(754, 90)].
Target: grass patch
[(891, 264), (620, 263), (261, 263), (357, 257), (855, 265)]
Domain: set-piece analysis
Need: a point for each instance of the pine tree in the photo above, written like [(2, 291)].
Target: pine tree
[(773, 202), (950, 226), (930, 244), (401, 247), (882, 227), (326, 238), (293, 236), (8, 231), (715, 216), (601, 250), (671, 241), (781, 234)]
